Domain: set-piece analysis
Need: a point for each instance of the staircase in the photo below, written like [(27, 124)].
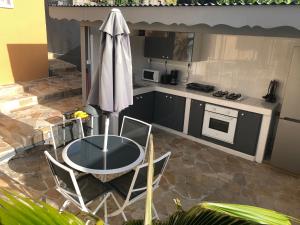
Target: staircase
[(28, 108)]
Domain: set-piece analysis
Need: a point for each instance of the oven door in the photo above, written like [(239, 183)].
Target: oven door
[(219, 126)]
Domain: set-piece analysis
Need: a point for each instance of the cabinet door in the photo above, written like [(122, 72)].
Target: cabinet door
[(183, 46), (169, 110), (144, 107), (196, 118), (247, 132), (159, 44), (161, 109)]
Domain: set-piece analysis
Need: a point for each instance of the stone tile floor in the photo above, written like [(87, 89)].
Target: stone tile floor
[(195, 173), (20, 128)]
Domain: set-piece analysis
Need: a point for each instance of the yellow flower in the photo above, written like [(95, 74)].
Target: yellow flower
[(81, 115), (100, 222)]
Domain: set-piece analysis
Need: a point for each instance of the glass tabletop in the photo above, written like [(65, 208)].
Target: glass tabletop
[(87, 154)]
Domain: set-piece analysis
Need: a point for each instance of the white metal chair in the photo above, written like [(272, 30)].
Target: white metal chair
[(137, 130), (65, 132), (132, 186), (80, 191)]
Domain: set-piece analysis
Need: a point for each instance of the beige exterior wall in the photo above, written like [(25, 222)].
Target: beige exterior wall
[(23, 42), (240, 63), (244, 64)]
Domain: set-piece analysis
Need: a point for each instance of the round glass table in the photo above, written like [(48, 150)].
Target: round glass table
[(87, 155)]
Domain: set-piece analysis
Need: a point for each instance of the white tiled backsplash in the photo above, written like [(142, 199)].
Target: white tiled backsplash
[(244, 64)]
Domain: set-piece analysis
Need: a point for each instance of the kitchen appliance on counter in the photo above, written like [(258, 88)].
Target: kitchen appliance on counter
[(200, 87), (228, 95), (271, 95), (174, 77), (219, 123), (286, 150), (165, 78), (151, 75)]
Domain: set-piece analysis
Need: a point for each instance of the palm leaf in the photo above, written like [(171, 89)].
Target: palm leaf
[(148, 206), (17, 209), (223, 214), (259, 215)]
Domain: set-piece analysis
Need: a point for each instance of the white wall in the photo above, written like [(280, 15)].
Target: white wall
[(238, 63)]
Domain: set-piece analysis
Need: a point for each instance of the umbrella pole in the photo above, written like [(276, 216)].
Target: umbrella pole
[(106, 133), (105, 150)]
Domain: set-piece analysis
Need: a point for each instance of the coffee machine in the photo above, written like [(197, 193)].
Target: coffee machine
[(174, 77)]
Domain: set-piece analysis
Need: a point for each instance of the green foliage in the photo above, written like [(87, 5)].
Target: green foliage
[(217, 2), (251, 213), (251, 2), (217, 214), (171, 2), (17, 209)]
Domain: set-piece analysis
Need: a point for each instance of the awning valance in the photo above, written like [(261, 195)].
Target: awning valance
[(236, 16)]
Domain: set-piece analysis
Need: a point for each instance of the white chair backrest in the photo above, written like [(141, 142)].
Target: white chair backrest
[(66, 131), (137, 130), (139, 182), (65, 181)]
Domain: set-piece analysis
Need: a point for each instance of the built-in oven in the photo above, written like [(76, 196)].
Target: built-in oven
[(219, 123)]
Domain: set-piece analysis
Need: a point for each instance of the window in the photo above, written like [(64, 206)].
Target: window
[(6, 4)]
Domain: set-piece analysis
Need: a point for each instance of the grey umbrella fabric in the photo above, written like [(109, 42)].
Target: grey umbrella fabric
[(111, 86)]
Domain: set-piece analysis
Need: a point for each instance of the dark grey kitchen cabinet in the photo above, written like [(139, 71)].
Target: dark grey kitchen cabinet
[(196, 118), (169, 110), (247, 132), (141, 109), (159, 44), (178, 46)]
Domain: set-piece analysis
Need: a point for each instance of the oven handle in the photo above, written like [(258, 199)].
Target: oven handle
[(220, 114)]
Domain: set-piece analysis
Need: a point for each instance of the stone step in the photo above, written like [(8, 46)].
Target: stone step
[(22, 129), (58, 67), (54, 88), (16, 102), (18, 133), (10, 89), (6, 151)]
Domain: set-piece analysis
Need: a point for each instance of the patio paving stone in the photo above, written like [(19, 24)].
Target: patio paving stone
[(195, 173), (27, 108)]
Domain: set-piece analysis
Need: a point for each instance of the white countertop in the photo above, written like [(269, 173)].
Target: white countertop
[(247, 103)]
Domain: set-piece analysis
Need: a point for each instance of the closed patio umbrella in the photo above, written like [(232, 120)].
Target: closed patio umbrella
[(111, 87)]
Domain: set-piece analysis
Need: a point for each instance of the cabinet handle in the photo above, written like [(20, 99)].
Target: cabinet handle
[(166, 96), (170, 97), (242, 114), (167, 57), (141, 97), (200, 104), (163, 56), (137, 98)]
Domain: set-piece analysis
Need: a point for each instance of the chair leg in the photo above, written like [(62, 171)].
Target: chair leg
[(64, 206), (55, 153), (101, 203), (118, 205), (155, 212)]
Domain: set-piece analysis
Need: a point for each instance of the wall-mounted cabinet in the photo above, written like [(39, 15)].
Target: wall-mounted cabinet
[(177, 46)]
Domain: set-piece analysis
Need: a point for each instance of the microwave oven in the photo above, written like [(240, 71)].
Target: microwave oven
[(151, 75)]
